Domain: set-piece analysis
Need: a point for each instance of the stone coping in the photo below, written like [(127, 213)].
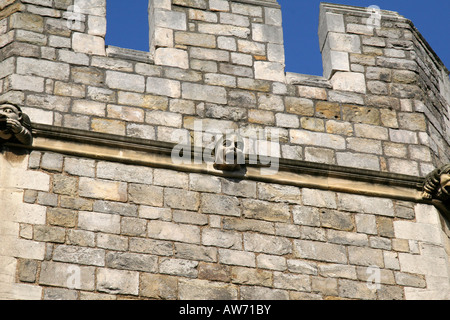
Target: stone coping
[(266, 3)]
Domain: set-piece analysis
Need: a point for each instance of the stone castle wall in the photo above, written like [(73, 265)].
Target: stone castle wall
[(97, 212)]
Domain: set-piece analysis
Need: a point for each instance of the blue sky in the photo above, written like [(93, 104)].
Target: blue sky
[(128, 27)]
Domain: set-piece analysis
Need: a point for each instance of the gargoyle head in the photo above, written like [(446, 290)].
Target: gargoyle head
[(437, 184), (15, 126), (229, 153)]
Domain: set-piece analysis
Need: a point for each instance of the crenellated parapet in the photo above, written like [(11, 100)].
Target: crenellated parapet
[(203, 169)]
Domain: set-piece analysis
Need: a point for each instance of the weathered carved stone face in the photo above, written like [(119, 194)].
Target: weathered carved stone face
[(8, 111), (444, 190), (14, 125), (229, 153), (437, 184)]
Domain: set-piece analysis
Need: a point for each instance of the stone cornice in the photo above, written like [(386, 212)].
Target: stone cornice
[(56, 138), (298, 173)]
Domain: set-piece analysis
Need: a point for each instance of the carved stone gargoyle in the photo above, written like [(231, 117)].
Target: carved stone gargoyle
[(229, 153), (15, 126), (437, 185)]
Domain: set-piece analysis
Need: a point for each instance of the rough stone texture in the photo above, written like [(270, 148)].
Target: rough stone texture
[(79, 228)]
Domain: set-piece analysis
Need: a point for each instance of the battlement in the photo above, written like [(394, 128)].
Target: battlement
[(104, 189), (224, 61)]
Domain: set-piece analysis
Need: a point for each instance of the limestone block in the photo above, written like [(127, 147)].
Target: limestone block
[(42, 68), (334, 61), (292, 282), (70, 90), (172, 57), (196, 252), (158, 286), (138, 193), (273, 16), (162, 118), (131, 261), (287, 120), (222, 239), (319, 139), (163, 4), (417, 231), (85, 75), (366, 223), (343, 42), (63, 275), (31, 37), (181, 199), (111, 63), (91, 7), (246, 9), (27, 21), (356, 290), (178, 267), (109, 126), (217, 79), (94, 221), (337, 220), (363, 204), (163, 87), (89, 107), (267, 33), (270, 262), (219, 5), (103, 189), (218, 204), (117, 281), (250, 276), (363, 256), (146, 101), (125, 81), (329, 22), (315, 250), (347, 238), (97, 25), (169, 178), (267, 244), (89, 44), (210, 54), (272, 71), (163, 37), (79, 255), (122, 172), (234, 19), (195, 39), (206, 290), (170, 19), (403, 136), (242, 59), (349, 81), (174, 232), (207, 93), (62, 217), (319, 198), (278, 193), (224, 30), (201, 4), (237, 258), (263, 210), (364, 145)]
